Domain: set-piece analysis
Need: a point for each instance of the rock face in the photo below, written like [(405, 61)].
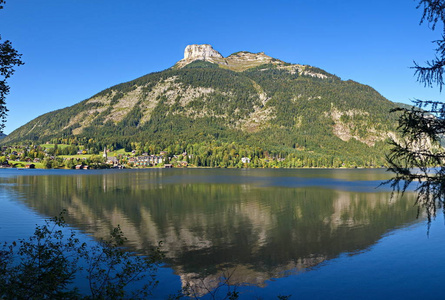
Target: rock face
[(248, 56), (200, 52), (238, 61)]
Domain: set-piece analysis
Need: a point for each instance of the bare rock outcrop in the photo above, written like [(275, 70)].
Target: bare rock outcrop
[(203, 52), (200, 52)]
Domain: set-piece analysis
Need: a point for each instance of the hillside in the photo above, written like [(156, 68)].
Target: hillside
[(248, 99)]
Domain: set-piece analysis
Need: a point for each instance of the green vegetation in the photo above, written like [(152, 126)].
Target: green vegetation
[(53, 263), (51, 260), (418, 155), (22, 164), (76, 156), (201, 64), (49, 146), (211, 153), (9, 59)]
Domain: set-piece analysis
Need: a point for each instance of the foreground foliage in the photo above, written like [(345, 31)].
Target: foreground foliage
[(48, 265), (418, 156), (9, 59), (53, 264)]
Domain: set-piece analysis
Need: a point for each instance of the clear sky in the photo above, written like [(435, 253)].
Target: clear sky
[(73, 49)]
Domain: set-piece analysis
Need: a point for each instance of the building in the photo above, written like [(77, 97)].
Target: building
[(148, 160)]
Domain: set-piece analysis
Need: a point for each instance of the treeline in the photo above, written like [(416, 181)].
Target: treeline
[(217, 154), (229, 155)]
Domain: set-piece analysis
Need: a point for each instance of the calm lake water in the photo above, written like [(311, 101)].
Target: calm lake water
[(312, 234)]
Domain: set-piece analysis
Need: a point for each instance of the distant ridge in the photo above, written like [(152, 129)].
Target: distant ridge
[(246, 98)]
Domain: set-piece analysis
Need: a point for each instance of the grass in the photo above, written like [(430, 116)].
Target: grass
[(118, 152), (47, 146), (62, 146), (22, 164), (76, 156), (109, 154)]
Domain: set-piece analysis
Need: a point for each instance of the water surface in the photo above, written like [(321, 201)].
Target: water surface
[(329, 232)]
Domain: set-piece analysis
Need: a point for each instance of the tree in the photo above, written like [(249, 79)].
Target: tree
[(43, 269), (9, 58), (418, 155), (46, 265)]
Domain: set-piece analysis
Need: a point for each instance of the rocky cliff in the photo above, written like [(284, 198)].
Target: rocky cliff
[(200, 52), (238, 61), (203, 52)]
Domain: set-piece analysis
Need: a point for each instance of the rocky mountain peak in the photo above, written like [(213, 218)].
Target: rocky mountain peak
[(238, 61), (200, 52), (249, 56)]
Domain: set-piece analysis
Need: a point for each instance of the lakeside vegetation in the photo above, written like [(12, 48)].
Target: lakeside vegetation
[(68, 153)]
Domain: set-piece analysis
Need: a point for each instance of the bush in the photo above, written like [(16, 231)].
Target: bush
[(45, 266)]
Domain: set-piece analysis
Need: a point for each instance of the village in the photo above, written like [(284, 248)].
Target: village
[(31, 157), (88, 154)]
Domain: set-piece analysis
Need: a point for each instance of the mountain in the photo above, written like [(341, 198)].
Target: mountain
[(250, 100)]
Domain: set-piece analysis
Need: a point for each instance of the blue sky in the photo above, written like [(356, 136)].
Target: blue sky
[(76, 48)]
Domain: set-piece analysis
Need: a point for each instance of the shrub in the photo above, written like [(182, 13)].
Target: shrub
[(45, 266)]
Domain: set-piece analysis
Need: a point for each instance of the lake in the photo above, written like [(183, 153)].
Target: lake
[(309, 233)]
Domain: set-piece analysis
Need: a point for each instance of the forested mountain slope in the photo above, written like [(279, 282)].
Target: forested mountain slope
[(248, 99)]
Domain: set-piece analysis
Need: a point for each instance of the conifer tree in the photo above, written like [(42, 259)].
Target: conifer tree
[(418, 155), (9, 58)]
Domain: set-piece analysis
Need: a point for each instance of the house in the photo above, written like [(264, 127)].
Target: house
[(148, 160), (78, 167), (112, 160), (5, 164), (168, 166), (30, 166), (245, 160), (154, 160), (182, 163), (142, 161)]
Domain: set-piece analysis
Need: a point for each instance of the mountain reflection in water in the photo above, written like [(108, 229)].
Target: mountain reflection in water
[(256, 224)]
